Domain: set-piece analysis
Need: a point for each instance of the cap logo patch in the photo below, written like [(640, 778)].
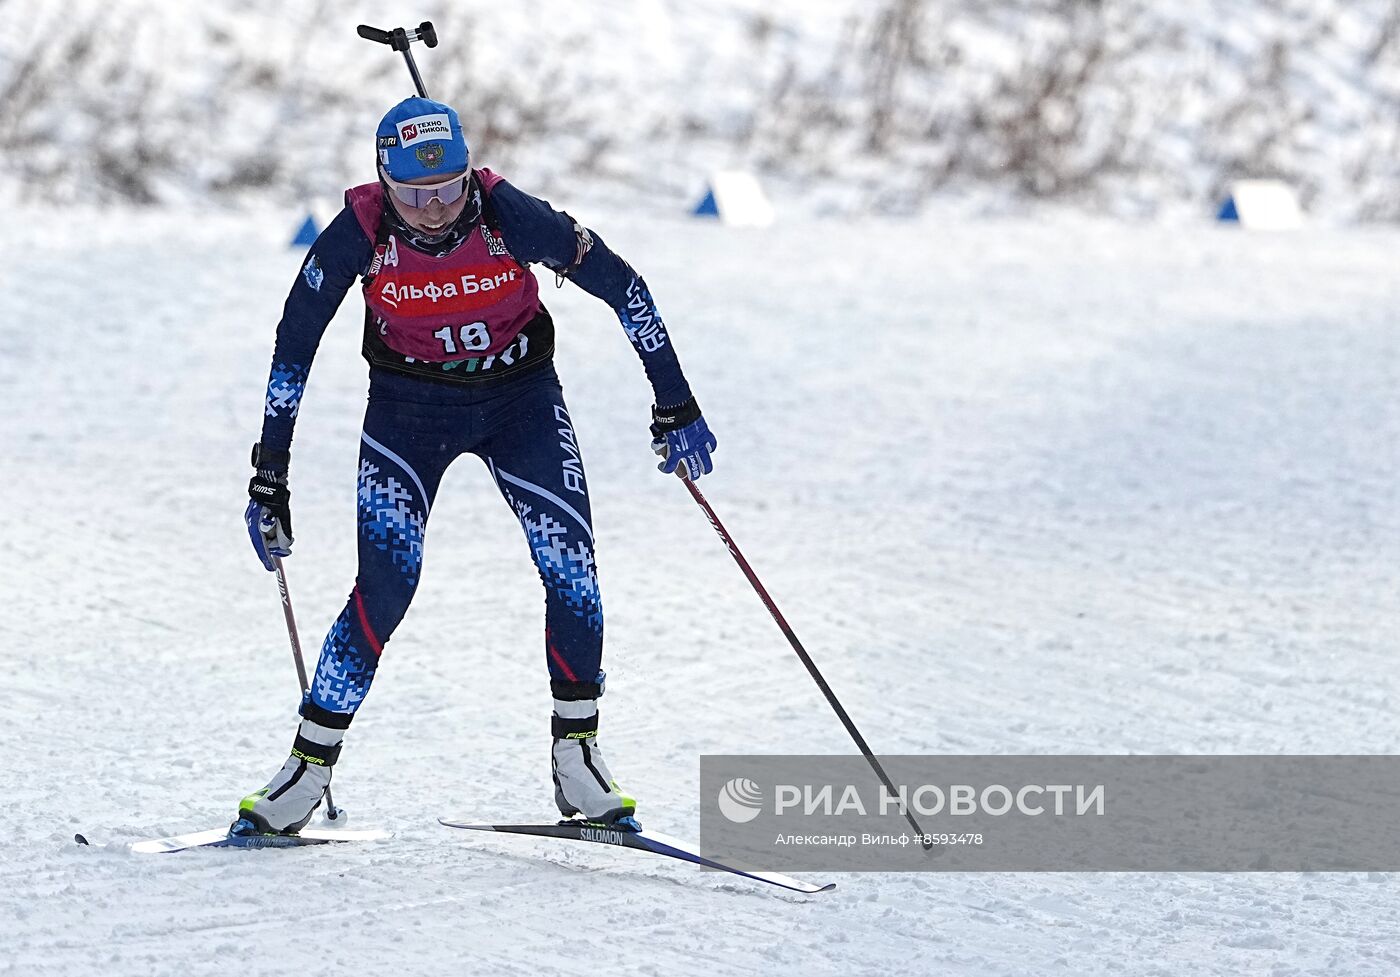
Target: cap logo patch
[(430, 155), (423, 128)]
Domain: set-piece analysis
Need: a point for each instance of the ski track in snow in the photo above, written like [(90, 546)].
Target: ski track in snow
[(1021, 486)]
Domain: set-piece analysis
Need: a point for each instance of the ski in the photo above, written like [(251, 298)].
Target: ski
[(650, 841), (221, 838)]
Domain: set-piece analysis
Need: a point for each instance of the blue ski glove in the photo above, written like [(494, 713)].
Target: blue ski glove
[(682, 439), (269, 512)]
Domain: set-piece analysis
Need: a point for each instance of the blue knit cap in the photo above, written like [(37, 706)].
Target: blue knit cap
[(421, 138)]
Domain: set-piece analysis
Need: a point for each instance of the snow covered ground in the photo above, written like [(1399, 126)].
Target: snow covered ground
[(1022, 486)]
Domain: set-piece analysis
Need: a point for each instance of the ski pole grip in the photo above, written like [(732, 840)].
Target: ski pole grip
[(399, 38)]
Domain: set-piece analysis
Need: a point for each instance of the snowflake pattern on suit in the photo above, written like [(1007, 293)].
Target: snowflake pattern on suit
[(391, 519), (344, 673), (284, 389), (567, 570)]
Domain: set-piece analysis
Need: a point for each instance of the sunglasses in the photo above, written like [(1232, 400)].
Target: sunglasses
[(419, 195)]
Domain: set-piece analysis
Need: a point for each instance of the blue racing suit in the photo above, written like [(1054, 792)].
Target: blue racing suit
[(421, 417)]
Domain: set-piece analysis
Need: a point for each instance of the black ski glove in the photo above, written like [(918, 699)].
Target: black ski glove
[(269, 512)]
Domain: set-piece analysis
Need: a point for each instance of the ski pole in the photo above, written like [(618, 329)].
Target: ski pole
[(816, 674), (332, 812), (399, 39)]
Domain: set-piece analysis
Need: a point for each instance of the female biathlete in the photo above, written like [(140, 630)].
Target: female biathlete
[(460, 353)]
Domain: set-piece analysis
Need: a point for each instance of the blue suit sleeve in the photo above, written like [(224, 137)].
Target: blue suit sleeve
[(340, 254), (536, 232)]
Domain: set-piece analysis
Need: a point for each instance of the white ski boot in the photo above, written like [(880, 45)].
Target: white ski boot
[(292, 796), (582, 783)]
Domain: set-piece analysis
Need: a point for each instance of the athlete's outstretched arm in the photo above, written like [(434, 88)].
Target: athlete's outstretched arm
[(340, 254), (536, 232)]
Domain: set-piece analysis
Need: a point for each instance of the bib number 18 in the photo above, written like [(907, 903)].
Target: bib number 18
[(474, 336)]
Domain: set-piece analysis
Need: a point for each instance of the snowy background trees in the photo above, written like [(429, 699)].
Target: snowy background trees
[(1124, 106)]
